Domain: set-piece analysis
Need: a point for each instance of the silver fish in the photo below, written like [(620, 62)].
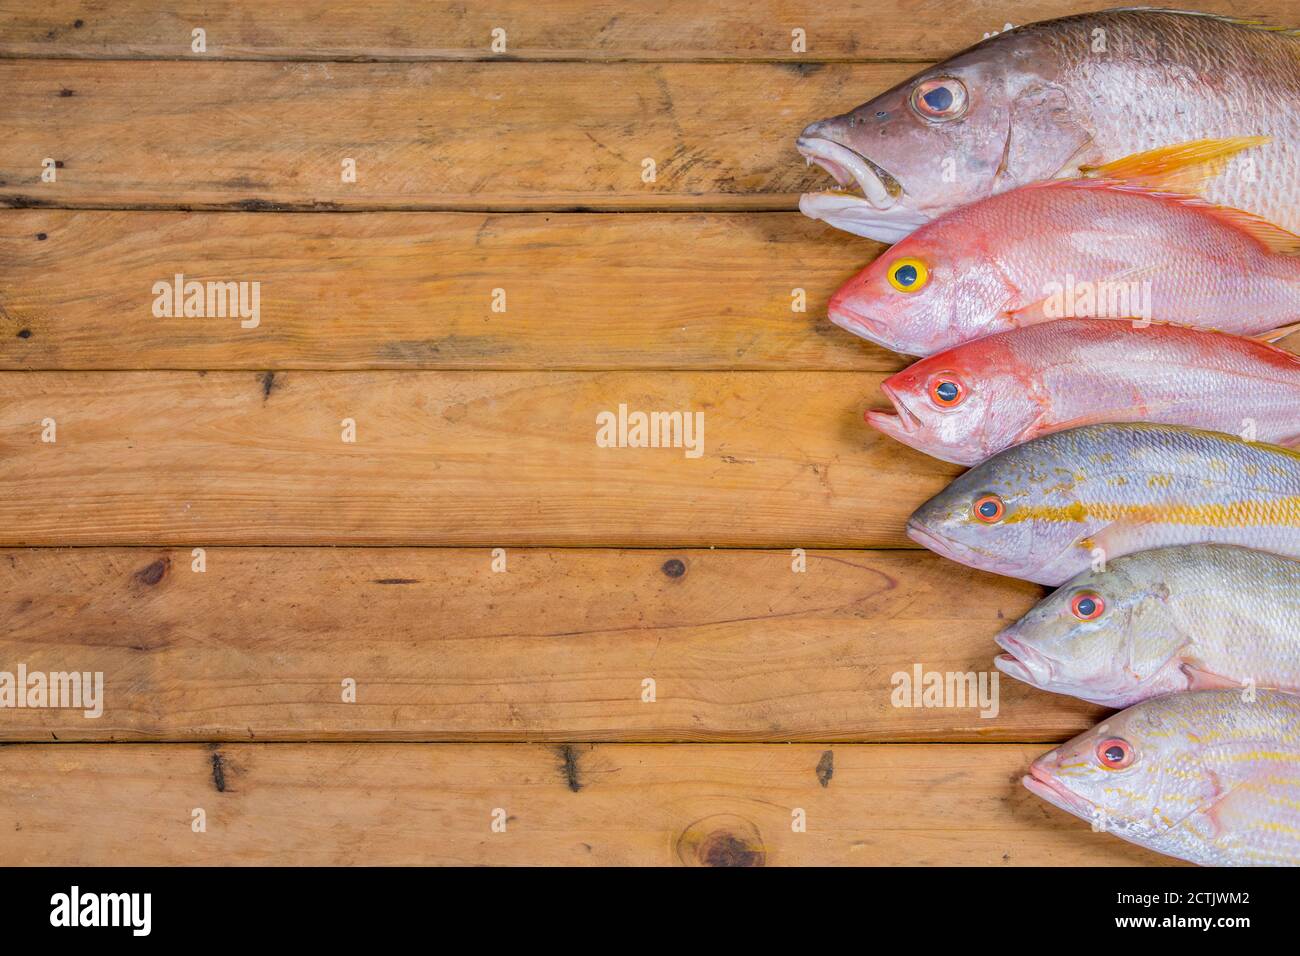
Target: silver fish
[(1049, 509), (1208, 776), (1171, 619)]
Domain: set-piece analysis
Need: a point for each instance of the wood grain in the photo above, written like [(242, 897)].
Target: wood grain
[(415, 290), (558, 29), (449, 458), (394, 804), (259, 136), (555, 647)]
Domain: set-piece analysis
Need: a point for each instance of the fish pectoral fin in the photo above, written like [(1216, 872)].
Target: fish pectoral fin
[(1118, 538), (1280, 332), (1181, 166), (1198, 678)]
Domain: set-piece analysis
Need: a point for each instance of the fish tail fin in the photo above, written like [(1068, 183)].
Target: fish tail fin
[(1183, 165)]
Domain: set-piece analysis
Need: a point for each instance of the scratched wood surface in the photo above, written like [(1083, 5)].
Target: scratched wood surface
[(555, 646), (424, 135), (603, 804), (477, 171), (414, 290), (904, 30), (449, 458)]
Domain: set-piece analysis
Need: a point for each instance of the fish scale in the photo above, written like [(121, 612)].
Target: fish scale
[(1102, 491), (1214, 777)]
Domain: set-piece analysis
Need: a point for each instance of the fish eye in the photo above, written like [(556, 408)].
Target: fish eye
[(940, 99), (1115, 753), (946, 390), (1087, 606), (989, 509), (908, 274)]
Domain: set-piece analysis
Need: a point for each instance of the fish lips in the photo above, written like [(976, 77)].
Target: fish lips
[(1021, 661), (1040, 782)]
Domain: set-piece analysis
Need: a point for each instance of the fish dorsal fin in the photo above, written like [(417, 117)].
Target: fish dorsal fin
[(1182, 166)]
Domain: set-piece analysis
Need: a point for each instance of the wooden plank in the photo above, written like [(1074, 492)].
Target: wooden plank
[(450, 458), (610, 804), (415, 290), (423, 135), (739, 645), (557, 29)]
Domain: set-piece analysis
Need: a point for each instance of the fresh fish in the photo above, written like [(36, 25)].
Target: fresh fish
[(1208, 776), (1046, 510), (970, 402), (1171, 619), (1046, 99), (1108, 247)]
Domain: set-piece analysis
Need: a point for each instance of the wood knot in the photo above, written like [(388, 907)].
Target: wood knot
[(153, 573), (721, 840), (674, 567)]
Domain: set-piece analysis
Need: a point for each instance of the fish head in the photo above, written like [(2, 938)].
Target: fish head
[(961, 405), (1020, 512), (1138, 775), (994, 116), (937, 288), (1107, 637)]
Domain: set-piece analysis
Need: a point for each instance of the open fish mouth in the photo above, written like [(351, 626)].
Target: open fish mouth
[(901, 421), (878, 213), (849, 168)]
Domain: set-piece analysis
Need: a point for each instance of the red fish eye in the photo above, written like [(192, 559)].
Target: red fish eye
[(946, 391), (1087, 606), (989, 509), (1115, 753)]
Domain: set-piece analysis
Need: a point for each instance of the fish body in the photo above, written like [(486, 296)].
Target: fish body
[(1076, 248), (1210, 776), (975, 400), (1048, 509), (1048, 99), (1161, 621)]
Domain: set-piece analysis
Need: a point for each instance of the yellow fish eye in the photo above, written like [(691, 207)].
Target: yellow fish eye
[(907, 275)]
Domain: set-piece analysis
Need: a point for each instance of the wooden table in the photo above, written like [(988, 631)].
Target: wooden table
[(202, 533)]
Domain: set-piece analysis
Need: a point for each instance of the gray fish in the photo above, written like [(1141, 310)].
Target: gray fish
[(1053, 98)]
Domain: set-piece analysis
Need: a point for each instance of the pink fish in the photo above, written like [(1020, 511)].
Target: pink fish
[(1120, 246), (970, 402)]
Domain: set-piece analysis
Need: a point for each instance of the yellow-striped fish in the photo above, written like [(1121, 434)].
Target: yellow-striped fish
[(1208, 776), (1060, 504)]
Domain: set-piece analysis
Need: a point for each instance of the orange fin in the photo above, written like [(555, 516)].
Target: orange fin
[(1200, 679), (1280, 332), (1183, 165)]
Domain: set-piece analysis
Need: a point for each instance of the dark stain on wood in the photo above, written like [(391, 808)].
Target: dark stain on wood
[(727, 849), (151, 574), (396, 581), (66, 92), (218, 770), (268, 384), (41, 236), (674, 567), (24, 333), (826, 768), (569, 767)]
